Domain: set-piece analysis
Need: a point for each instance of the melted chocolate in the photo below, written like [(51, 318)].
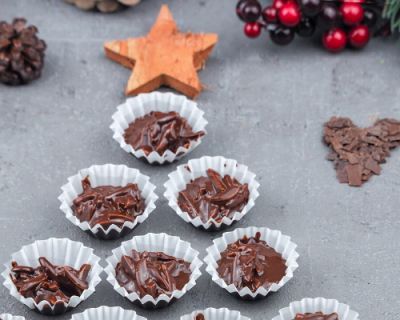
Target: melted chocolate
[(152, 273), (160, 131), (316, 316), (107, 205), (250, 262), (49, 282), (213, 197)]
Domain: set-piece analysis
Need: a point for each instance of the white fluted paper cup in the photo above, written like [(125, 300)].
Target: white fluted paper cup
[(215, 314), (196, 168), (7, 316), (311, 305), (155, 242), (274, 238), (107, 313), (60, 252), (143, 104), (101, 175)]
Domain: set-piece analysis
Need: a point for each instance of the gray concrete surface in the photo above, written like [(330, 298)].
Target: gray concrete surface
[(266, 106)]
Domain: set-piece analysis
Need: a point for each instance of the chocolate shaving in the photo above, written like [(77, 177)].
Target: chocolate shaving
[(316, 316), (213, 197), (49, 282), (160, 131), (250, 262), (357, 153), (152, 273), (108, 205)]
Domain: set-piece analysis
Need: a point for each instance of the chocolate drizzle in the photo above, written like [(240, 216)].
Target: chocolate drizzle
[(250, 262), (107, 205), (49, 282), (152, 273), (316, 316), (213, 197), (358, 152), (160, 131)]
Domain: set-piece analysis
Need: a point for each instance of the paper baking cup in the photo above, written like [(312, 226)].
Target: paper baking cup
[(153, 242), (216, 314), (326, 306), (7, 316), (101, 175), (184, 174), (107, 313), (143, 104), (274, 238), (59, 252)]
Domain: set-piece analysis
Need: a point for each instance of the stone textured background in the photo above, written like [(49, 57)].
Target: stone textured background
[(266, 106)]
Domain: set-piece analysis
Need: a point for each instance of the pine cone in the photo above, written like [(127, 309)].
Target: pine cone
[(21, 52), (103, 5)]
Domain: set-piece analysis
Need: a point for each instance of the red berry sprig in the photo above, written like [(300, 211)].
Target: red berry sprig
[(341, 22)]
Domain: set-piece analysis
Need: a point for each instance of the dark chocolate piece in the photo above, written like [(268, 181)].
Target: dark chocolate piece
[(152, 273), (199, 316), (107, 205), (316, 316), (250, 262), (358, 152), (213, 197), (160, 131), (49, 282)]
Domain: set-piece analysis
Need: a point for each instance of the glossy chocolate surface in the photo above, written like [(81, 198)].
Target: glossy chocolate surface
[(49, 282), (250, 262), (152, 273), (160, 131), (199, 316), (317, 316), (107, 205), (213, 197)]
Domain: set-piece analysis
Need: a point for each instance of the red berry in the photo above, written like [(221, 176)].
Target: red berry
[(334, 40), (353, 1), (352, 13), (289, 15), (252, 29), (359, 36), (270, 14), (277, 4)]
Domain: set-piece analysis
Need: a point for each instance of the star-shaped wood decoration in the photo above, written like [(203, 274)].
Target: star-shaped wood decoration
[(165, 56)]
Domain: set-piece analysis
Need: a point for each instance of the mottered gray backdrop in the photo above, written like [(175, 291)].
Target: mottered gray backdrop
[(266, 106)]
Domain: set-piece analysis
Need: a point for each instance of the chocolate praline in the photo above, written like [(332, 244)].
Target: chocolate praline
[(213, 197), (108, 205), (250, 262), (48, 282), (316, 316), (160, 131), (152, 273)]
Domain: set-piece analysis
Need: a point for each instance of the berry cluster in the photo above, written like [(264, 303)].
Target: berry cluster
[(340, 22)]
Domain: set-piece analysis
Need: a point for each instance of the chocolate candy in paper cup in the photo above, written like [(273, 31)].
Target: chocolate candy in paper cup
[(141, 106), (142, 246), (214, 314), (233, 194), (114, 176), (107, 313), (282, 247), (58, 252), (313, 305)]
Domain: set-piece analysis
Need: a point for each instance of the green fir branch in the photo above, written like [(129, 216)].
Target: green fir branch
[(392, 13)]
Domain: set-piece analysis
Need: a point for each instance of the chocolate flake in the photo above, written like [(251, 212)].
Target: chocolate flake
[(358, 152), (49, 282), (108, 205), (160, 131), (250, 262), (213, 197), (152, 273), (316, 316)]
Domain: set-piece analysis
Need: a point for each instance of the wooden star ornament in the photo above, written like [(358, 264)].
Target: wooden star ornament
[(165, 56)]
